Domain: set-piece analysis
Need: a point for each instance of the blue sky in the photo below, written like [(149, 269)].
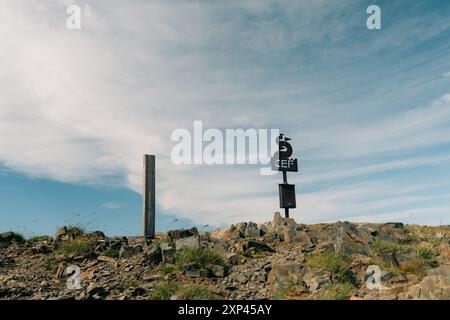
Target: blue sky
[(368, 110)]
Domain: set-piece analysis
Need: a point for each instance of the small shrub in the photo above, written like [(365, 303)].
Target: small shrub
[(77, 247), (337, 264), (197, 292), (384, 247), (200, 258), (337, 291), (163, 290), (76, 231), (427, 257)]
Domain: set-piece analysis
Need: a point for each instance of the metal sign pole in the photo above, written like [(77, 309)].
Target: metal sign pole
[(282, 161), (148, 197), (286, 210)]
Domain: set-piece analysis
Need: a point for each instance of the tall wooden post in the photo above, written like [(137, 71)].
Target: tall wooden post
[(148, 197)]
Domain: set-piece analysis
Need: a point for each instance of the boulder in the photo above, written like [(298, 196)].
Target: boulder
[(444, 253), (153, 255), (96, 291), (168, 255), (181, 233), (217, 271), (293, 235), (95, 236), (347, 237), (252, 231), (192, 242), (315, 279), (284, 275), (279, 221), (232, 258), (255, 245), (435, 286), (8, 237), (62, 234), (128, 251)]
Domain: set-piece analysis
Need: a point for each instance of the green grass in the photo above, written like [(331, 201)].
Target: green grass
[(197, 292), (168, 269), (77, 247), (385, 247), (288, 291), (132, 284), (39, 239), (163, 290), (76, 230), (427, 257), (201, 258), (337, 264), (111, 252), (51, 264), (337, 291)]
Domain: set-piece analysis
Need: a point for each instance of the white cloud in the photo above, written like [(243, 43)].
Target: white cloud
[(112, 205), (82, 107)]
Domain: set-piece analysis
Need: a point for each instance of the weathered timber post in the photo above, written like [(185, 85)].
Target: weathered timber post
[(148, 197)]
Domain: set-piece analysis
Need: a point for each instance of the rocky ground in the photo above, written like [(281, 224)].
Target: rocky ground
[(275, 260)]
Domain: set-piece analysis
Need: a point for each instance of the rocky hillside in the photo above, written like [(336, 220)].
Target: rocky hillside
[(275, 260)]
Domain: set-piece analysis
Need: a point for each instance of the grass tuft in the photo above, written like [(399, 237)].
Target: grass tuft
[(337, 264), (337, 291), (201, 258)]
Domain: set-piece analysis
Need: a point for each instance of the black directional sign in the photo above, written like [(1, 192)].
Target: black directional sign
[(282, 160)]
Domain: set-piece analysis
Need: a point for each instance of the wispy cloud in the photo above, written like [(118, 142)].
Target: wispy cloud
[(82, 107), (112, 205)]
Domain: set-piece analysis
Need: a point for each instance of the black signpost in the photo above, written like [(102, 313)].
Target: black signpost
[(282, 161)]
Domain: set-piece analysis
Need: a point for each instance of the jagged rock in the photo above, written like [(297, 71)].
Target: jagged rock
[(168, 255), (87, 275), (252, 231), (181, 233), (96, 291), (283, 275), (315, 279), (154, 255), (232, 258), (347, 237), (62, 234), (444, 253), (279, 221), (390, 232), (192, 242), (111, 261), (60, 271), (8, 237), (256, 245), (128, 251), (433, 287), (217, 271), (293, 235), (95, 236)]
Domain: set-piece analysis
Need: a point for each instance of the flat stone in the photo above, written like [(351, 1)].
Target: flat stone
[(192, 242)]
